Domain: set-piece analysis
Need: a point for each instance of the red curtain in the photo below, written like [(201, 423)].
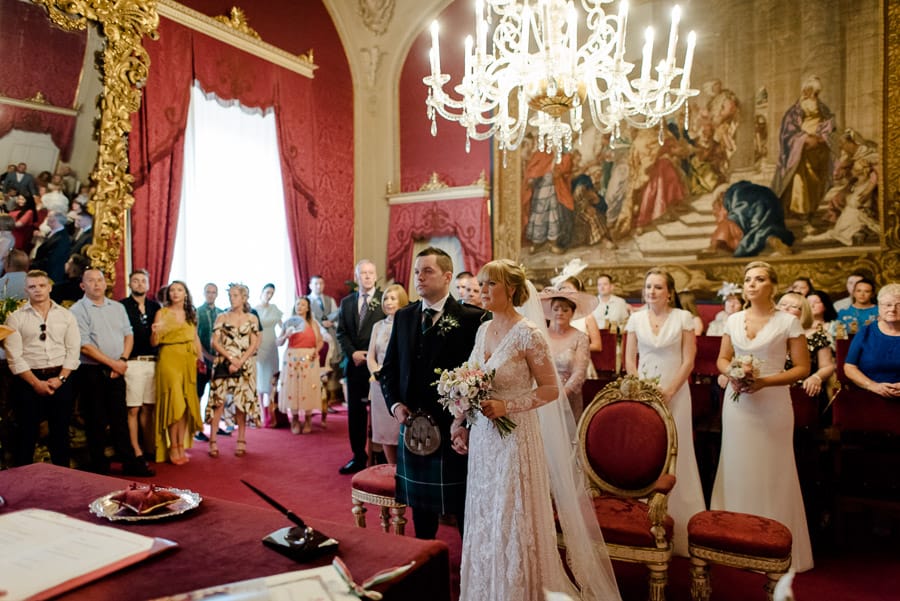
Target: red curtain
[(315, 167), (468, 220)]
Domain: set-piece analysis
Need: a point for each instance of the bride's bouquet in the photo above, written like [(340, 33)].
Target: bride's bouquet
[(462, 390), (744, 369)]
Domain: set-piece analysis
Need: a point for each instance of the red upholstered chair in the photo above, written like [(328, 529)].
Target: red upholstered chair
[(739, 540), (627, 445), (376, 485)]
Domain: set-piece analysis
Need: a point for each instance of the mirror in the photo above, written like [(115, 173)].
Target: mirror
[(108, 35)]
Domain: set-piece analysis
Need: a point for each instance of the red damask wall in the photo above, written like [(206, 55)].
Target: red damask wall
[(420, 153), (296, 27)]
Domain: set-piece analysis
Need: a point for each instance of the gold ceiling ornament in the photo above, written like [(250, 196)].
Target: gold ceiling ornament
[(433, 183), (124, 68), (237, 20)]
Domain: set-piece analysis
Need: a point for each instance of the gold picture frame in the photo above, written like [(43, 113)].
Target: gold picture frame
[(124, 67), (705, 275)]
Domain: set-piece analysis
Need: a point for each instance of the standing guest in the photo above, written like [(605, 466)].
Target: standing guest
[(757, 472), (823, 313), (52, 254), (325, 311), (689, 303), (235, 340), (43, 351), (873, 362), (464, 286), (385, 429), (7, 240), (732, 302), (821, 359), (12, 284), (106, 344), (174, 331), (587, 323), (611, 308), (84, 234), (862, 311), (207, 313), (25, 215), (69, 290), (801, 286), (301, 382), (665, 338), (433, 333), (358, 313), (21, 180), (851, 283), (569, 346), (269, 316), (140, 378)]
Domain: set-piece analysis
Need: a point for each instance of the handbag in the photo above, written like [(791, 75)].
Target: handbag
[(422, 435), (220, 371)]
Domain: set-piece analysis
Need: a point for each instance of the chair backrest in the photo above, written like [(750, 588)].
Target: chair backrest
[(627, 438), (841, 348), (323, 354), (858, 410), (605, 360), (707, 354)]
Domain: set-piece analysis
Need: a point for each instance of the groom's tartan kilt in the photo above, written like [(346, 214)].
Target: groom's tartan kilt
[(435, 482)]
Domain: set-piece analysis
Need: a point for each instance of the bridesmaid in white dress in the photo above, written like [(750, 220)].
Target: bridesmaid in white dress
[(757, 472), (664, 337), (510, 546)]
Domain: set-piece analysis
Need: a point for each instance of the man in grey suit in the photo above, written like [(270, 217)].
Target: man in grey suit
[(325, 310), (358, 313), (21, 180)]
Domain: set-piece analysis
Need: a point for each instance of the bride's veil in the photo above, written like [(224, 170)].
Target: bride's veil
[(586, 551)]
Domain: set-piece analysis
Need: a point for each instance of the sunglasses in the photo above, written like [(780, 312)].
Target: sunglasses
[(43, 335)]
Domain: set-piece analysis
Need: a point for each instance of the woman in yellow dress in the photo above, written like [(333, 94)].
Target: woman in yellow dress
[(177, 405)]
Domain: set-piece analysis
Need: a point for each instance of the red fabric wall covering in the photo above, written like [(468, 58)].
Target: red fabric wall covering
[(420, 152), (464, 219), (315, 142), (61, 128)]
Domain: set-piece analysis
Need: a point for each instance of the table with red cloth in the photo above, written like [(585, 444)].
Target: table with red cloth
[(220, 541)]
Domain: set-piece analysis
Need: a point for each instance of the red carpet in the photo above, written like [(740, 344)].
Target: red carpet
[(301, 472)]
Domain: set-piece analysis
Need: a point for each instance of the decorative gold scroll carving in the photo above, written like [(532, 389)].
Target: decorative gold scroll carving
[(433, 183), (124, 69), (237, 20)]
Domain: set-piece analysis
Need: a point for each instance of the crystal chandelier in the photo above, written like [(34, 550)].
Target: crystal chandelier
[(534, 66)]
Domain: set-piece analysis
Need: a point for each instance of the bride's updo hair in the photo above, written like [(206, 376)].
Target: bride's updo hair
[(512, 276)]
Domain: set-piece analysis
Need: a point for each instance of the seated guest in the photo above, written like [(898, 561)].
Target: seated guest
[(873, 362), (689, 304), (862, 310), (854, 277), (823, 313), (802, 286), (69, 291), (569, 347), (821, 358), (732, 303), (12, 284)]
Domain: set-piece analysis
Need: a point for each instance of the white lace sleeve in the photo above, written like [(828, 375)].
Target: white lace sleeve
[(537, 355)]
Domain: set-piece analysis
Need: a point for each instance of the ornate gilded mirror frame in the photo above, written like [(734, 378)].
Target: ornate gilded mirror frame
[(124, 68), (707, 275)]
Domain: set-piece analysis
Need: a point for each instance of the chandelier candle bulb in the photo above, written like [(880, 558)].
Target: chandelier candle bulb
[(572, 30), (673, 36), (480, 28), (688, 61), (468, 55), (523, 35), (647, 60), (435, 49), (620, 35)]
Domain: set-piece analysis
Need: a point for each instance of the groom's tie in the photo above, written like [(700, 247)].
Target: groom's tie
[(428, 319)]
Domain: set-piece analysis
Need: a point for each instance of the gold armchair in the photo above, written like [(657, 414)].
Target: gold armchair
[(628, 446)]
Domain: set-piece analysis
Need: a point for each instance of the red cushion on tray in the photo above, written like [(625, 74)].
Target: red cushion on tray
[(740, 533), (626, 522), (376, 480)]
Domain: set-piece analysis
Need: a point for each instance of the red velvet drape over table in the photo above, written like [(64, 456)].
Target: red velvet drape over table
[(157, 150), (466, 219), (47, 60)]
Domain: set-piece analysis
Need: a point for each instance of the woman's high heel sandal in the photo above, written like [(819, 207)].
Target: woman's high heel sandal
[(241, 449), (213, 448), (176, 455)]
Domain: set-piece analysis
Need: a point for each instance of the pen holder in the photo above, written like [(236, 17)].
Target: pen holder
[(300, 544)]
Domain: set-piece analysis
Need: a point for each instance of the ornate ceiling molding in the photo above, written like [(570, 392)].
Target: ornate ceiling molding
[(376, 14), (302, 64), (38, 104)]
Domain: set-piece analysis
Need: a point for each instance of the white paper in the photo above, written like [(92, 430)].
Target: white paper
[(316, 584)]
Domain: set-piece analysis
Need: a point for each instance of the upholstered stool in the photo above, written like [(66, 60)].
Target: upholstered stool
[(376, 485), (740, 540)]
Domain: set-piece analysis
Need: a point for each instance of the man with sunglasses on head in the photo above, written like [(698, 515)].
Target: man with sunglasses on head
[(43, 351)]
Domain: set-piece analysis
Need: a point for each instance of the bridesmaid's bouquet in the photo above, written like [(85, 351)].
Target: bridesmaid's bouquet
[(461, 391), (744, 369)]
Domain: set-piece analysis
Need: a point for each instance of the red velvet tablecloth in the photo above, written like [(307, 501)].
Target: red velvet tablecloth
[(220, 541)]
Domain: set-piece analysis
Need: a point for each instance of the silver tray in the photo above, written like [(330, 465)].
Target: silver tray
[(105, 507)]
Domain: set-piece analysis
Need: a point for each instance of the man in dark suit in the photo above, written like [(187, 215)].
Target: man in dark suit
[(434, 333), (358, 313), (85, 234), (52, 254)]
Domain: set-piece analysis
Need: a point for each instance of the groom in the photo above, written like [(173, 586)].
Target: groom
[(434, 333)]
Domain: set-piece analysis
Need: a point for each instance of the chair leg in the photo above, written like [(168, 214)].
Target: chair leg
[(385, 519), (359, 513), (398, 521), (700, 588), (658, 578), (772, 579)]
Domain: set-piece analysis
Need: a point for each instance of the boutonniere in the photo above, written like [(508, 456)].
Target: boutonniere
[(446, 323), (374, 304)]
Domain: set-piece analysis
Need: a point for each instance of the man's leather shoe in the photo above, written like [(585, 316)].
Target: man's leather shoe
[(352, 466)]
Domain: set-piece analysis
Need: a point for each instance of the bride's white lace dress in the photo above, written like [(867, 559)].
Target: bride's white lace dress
[(509, 548)]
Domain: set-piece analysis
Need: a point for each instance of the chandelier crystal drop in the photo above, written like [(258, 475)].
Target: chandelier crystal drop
[(535, 73)]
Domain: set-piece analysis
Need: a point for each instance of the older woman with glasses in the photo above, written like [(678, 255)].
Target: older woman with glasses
[(873, 362)]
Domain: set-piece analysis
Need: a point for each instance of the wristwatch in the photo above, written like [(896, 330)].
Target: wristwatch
[(63, 379)]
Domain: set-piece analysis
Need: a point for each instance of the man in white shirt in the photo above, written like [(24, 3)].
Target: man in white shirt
[(612, 309), (43, 351)]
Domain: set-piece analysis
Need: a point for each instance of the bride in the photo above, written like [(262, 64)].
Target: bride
[(510, 546)]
